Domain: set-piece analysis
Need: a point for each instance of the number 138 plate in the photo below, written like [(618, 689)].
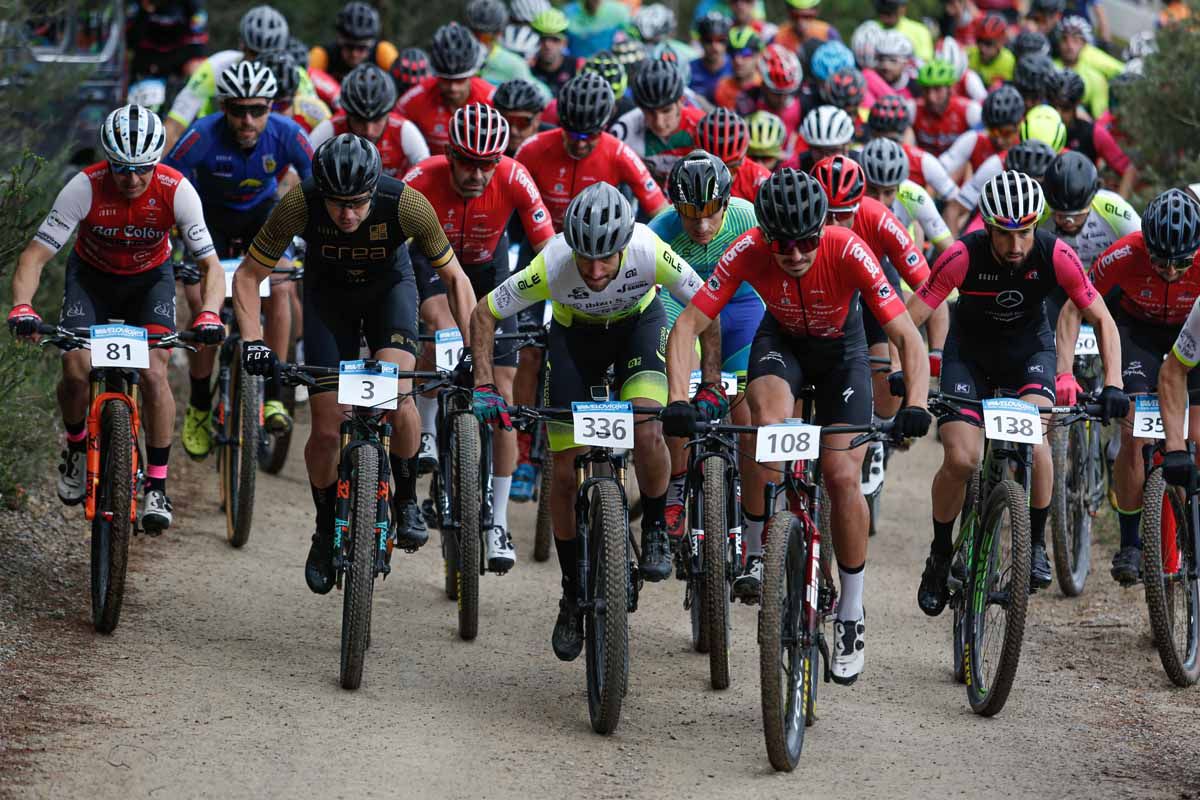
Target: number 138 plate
[(370, 384), (1012, 420), (788, 441), (607, 424)]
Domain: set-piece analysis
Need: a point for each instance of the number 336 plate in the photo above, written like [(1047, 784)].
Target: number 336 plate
[(607, 424), (1012, 420)]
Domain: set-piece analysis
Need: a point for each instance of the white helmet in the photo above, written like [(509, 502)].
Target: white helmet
[(133, 136), (827, 126), (247, 79), (263, 29), (654, 22), (951, 51), (520, 39), (525, 11), (863, 43), (894, 44), (1012, 200)]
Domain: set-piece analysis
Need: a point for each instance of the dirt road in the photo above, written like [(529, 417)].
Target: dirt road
[(222, 682)]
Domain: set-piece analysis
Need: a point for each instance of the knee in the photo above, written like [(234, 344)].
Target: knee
[(842, 475), (648, 436), (323, 438), (960, 461)]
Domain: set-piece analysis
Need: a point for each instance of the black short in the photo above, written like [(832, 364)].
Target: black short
[(871, 326), (1143, 348), (233, 231), (838, 369), (92, 297), (338, 318), (1023, 363)]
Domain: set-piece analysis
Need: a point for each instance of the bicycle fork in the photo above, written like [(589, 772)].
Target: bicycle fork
[(345, 490)]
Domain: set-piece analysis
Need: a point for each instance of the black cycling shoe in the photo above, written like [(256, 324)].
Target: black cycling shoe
[(656, 554), (933, 593), (409, 527), (1040, 575), (429, 513), (318, 569), (567, 639), (1127, 566)]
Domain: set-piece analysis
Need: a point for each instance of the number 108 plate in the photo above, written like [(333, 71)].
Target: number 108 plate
[(608, 424), (788, 441)]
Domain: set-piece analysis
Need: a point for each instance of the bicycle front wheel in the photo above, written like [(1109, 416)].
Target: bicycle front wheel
[(241, 464), (716, 571), (606, 626), (359, 586), (1171, 595), (544, 531), (1070, 520), (112, 526), (997, 598), (464, 474)]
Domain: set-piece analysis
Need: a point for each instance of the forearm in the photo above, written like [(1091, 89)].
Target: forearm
[(212, 284), (483, 334), (246, 303), (710, 354), (914, 359), (680, 346), (1128, 180), (1172, 401), (1110, 349), (955, 215), (28, 274), (290, 179), (462, 302), (1066, 332)]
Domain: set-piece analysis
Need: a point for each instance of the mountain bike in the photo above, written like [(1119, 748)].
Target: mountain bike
[(114, 464), (362, 511)]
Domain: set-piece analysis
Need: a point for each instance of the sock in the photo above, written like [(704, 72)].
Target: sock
[(76, 435), (156, 467), (427, 409), (675, 489), (850, 599), (1131, 524), (323, 502), (404, 473), (752, 533), (201, 399), (1037, 526), (943, 538), (654, 511), (500, 489), (568, 562)]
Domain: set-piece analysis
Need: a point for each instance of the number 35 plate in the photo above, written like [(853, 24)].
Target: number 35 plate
[(788, 441), (370, 384), (608, 424), (1012, 420)]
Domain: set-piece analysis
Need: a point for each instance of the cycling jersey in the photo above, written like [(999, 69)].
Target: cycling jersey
[(733, 94), (198, 97), (552, 275), (747, 178), (401, 145), (704, 81), (1187, 344), (918, 34), (560, 177), (424, 105), (502, 65), (329, 59), (971, 147), (1110, 218), (968, 196), (995, 73), (1097, 143), (587, 33), (325, 86), (658, 155), (166, 35), (925, 170), (814, 29), (937, 132), (555, 78), (817, 305), (879, 87), (475, 225), (913, 206), (228, 176), (120, 236), (308, 112), (887, 238), (1145, 296)]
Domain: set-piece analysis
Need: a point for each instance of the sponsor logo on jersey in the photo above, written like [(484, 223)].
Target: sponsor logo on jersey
[(55, 220), (525, 284), (524, 182), (379, 232), (1036, 368), (539, 216), (962, 388), (348, 253), (632, 287), (860, 254), (196, 232), (1121, 252), (884, 291), (895, 230), (1185, 345), (742, 243), (128, 232), (1010, 298), (912, 259), (714, 283)]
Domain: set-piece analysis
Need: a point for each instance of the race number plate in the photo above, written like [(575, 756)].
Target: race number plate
[(728, 381), (1147, 418), (369, 384), (116, 345), (447, 344), (790, 440), (607, 424), (1085, 344), (1010, 420), (229, 266)]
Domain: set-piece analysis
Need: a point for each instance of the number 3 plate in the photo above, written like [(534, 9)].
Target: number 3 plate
[(603, 424), (120, 346), (1012, 420), (370, 384), (788, 441)]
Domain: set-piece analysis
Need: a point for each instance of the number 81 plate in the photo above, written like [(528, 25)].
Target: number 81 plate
[(608, 424)]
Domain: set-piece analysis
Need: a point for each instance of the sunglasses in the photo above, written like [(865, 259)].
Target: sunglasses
[(357, 47), (238, 111), (482, 164), (700, 212), (130, 169), (715, 40), (576, 136), (518, 120), (1177, 264), (805, 245), (349, 203), (843, 214)]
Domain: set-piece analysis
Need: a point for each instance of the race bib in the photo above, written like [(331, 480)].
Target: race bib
[(607, 424), (229, 266), (1085, 344), (448, 347), (1147, 418), (368, 384), (116, 345), (1010, 420), (728, 382), (790, 440)]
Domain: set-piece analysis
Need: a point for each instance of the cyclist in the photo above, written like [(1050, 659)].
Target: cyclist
[(804, 26), (600, 275), (891, 118), (1173, 378), (655, 25), (727, 136), (592, 25), (1150, 274), (409, 68), (609, 67), (847, 89), (324, 86), (552, 66), (1002, 112), (262, 29), (1093, 140), (744, 49), (358, 28), (1044, 15), (563, 162), (714, 64), (827, 131), (1089, 219), (486, 19), (359, 282), (781, 84), (521, 103), (705, 218), (891, 16), (767, 136), (1000, 339), (234, 157), (662, 127), (1032, 77), (475, 190), (809, 275), (368, 96), (942, 117), (885, 167), (307, 111), (167, 39), (120, 268), (989, 56), (890, 72), (455, 56)]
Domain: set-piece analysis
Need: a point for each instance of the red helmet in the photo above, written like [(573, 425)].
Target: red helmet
[(724, 134), (780, 69), (478, 132), (991, 27), (842, 179)]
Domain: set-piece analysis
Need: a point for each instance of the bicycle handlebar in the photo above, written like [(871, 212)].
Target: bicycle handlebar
[(80, 338), (1080, 410)]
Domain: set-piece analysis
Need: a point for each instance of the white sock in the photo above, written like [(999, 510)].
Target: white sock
[(500, 489), (752, 535), (850, 601), (427, 408)]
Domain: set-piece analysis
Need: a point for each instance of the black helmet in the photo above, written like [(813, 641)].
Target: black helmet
[(368, 92), (1065, 88), (1027, 42), (298, 50), (1171, 226), (598, 222), (585, 103), (358, 20), (1032, 73), (699, 180), (713, 25), (1047, 6), (346, 166), (486, 16), (845, 88), (890, 114), (283, 67), (657, 84), (519, 94), (1003, 106), (1032, 156), (884, 162), (410, 66), (455, 52), (791, 205), (1071, 182)]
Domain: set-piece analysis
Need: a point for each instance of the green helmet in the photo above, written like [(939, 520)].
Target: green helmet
[(937, 72), (1042, 122), (743, 37), (550, 22), (766, 134), (606, 65)]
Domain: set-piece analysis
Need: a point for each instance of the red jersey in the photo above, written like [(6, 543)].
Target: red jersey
[(936, 132), (325, 85), (1145, 296), (560, 177), (423, 104), (747, 178), (814, 305), (474, 225), (887, 238), (390, 145)]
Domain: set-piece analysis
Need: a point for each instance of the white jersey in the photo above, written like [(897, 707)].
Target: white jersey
[(1110, 218), (914, 207), (972, 190)]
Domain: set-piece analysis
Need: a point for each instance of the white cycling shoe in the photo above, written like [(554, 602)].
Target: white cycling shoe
[(501, 555), (849, 649)]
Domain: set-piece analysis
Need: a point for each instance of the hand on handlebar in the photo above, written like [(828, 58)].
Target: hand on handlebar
[(912, 422), (463, 374), (23, 321), (710, 401), (1178, 467), (488, 405), (208, 328), (1114, 404), (679, 419), (257, 358)]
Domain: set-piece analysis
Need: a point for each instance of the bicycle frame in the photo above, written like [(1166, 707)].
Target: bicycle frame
[(710, 448), (110, 384), (363, 428)]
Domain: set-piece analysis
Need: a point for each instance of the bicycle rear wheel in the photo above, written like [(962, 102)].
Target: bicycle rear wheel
[(1070, 519), (788, 653), (544, 531), (997, 599), (1171, 596), (716, 571), (464, 472), (111, 527), (241, 462), (359, 585), (606, 626)]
